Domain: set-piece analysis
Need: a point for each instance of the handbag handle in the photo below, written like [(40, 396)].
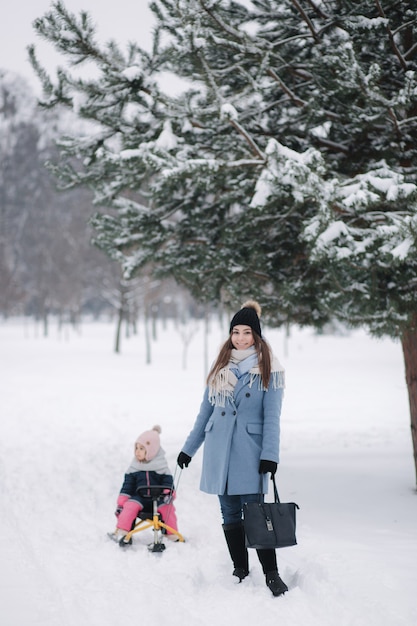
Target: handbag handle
[(276, 496)]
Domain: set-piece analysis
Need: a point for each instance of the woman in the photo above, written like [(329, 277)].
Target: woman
[(239, 425)]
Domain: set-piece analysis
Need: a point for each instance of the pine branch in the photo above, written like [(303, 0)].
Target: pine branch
[(391, 37), (250, 141), (411, 51), (336, 147), (297, 101), (210, 77), (307, 20), (406, 121), (230, 31), (318, 9), (393, 117), (67, 33)]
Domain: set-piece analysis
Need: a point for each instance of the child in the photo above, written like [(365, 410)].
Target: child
[(148, 468)]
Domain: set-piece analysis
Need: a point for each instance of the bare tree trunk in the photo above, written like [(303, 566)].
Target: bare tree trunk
[(118, 329), (147, 338), (122, 314), (45, 322), (154, 320), (206, 340), (409, 345)]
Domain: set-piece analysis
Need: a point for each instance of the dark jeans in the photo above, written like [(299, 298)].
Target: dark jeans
[(232, 506)]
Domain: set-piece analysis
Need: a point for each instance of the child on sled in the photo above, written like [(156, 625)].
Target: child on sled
[(148, 468)]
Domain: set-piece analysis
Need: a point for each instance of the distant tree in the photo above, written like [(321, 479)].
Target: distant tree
[(17, 147), (47, 262)]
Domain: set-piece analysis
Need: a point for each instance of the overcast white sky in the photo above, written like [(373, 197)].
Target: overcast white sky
[(123, 21)]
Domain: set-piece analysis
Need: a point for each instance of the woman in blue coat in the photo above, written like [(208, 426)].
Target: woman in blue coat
[(238, 423)]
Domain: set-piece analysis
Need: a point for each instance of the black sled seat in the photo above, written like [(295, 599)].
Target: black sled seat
[(150, 518)]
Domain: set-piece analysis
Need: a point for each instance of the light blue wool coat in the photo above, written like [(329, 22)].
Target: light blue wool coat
[(236, 436)]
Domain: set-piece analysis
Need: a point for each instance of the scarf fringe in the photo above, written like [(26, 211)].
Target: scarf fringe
[(219, 393)]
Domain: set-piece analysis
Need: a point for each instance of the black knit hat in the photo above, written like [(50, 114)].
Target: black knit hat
[(248, 316)]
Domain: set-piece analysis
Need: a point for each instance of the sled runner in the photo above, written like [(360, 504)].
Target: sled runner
[(153, 520)]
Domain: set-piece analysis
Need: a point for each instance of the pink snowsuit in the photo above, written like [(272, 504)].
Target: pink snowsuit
[(130, 509)]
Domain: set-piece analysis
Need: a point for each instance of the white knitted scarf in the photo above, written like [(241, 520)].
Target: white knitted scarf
[(158, 464), (222, 386)]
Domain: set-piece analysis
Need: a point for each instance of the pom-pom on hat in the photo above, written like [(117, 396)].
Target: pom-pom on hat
[(150, 441), (248, 315)]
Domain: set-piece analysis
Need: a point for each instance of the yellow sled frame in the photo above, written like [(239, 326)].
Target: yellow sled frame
[(157, 524)]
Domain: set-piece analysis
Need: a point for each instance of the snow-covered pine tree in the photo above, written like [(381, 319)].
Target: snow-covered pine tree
[(224, 245), (177, 174), (367, 238), (337, 79), (118, 152), (293, 105)]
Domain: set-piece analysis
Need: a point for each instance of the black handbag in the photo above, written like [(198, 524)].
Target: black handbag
[(270, 524)]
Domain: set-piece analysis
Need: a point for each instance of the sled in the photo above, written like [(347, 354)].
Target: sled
[(151, 519)]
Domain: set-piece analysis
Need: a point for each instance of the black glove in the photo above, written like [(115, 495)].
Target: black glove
[(183, 460), (267, 466)]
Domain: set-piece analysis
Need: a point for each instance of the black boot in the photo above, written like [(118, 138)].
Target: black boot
[(235, 539), (275, 583), (268, 560)]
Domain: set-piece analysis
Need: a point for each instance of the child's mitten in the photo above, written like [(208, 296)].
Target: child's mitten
[(121, 501)]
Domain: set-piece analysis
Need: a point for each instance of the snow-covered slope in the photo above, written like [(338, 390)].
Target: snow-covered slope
[(70, 411)]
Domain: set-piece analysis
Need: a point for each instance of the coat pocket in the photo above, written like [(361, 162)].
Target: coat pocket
[(209, 426), (254, 428)]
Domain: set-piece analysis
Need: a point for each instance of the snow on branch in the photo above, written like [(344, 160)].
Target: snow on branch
[(286, 171), (369, 187), (363, 224)]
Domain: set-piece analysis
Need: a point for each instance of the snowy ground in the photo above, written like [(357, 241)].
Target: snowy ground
[(70, 411)]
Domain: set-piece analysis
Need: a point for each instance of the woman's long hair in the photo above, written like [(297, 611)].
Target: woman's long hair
[(264, 359)]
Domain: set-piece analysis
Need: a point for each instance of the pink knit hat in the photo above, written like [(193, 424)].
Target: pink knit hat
[(150, 441)]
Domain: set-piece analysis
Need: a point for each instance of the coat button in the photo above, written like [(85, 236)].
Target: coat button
[(248, 394), (223, 412), (234, 412)]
